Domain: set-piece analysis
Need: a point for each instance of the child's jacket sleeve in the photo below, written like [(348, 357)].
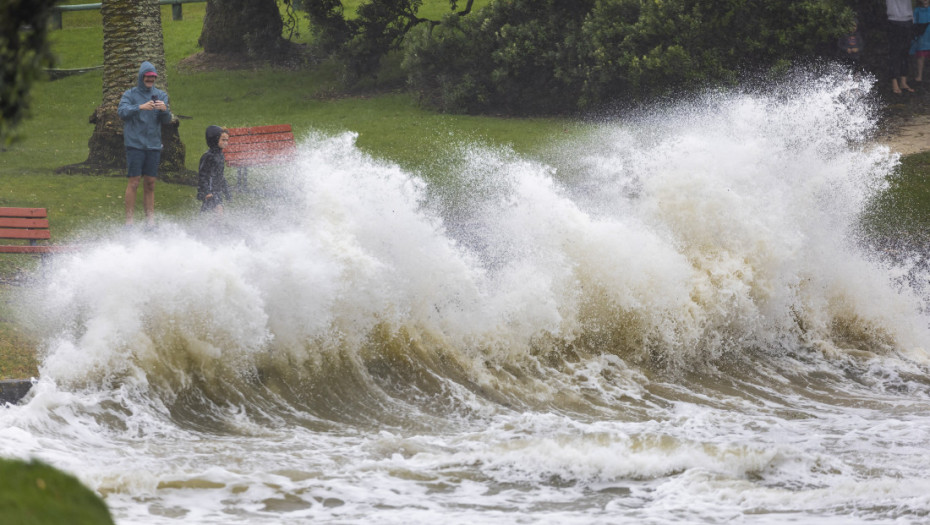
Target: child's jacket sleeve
[(206, 173)]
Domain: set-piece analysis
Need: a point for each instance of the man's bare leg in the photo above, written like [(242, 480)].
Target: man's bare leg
[(148, 198), (130, 199)]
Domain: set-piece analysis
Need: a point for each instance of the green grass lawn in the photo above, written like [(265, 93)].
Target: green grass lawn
[(389, 125), (903, 210)]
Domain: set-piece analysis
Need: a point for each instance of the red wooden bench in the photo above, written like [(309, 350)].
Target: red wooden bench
[(27, 225), (258, 146)]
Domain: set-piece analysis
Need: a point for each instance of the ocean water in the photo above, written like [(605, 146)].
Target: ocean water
[(668, 318)]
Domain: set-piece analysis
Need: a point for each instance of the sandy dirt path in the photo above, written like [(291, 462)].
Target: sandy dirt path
[(911, 135)]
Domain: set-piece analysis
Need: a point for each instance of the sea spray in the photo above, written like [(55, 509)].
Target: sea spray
[(737, 236), (667, 318)]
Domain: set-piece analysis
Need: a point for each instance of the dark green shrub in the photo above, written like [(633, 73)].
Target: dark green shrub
[(24, 52), (34, 493), (550, 56), (518, 56)]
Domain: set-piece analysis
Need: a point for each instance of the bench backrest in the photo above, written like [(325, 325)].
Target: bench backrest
[(24, 223), (260, 145)]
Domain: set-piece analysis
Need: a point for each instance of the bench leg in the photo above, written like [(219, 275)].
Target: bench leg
[(242, 178)]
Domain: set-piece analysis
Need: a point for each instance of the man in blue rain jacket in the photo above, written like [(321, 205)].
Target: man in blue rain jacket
[(143, 109)]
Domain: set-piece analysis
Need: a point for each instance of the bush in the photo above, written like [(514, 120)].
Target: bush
[(35, 494), (24, 52), (551, 56), (518, 56)]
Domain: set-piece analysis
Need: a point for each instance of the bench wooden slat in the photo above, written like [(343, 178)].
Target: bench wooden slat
[(263, 147), (259, 130), (23, 212), (18, 233), (252, 137), (259, 145), (261, 139), (37, 248), (256, 160), (236, 148), (16, 222), (257, 139), (268, 156)]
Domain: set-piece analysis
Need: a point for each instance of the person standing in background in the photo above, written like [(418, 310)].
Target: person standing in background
[(900, 34), (921, 45), (143, 109), (851, 46)]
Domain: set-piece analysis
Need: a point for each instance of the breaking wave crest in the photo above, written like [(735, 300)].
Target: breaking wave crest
[(712, 236)]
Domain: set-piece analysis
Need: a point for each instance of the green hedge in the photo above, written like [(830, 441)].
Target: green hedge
[(547, 56), (34, 493)]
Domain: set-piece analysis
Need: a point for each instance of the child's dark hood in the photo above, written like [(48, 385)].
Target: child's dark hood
[(213, 136)]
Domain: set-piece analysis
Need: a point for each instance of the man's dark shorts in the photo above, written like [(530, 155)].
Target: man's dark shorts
[(142, 162)]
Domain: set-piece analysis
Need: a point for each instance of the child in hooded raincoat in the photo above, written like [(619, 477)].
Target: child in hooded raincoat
[(211, 181), (850, 46)]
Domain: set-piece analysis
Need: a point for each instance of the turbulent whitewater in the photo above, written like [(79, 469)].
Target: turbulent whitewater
[(669, 318)]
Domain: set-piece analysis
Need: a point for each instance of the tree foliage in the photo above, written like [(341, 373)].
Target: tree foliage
[(24, 52), (532, 56), (327, 17), (379, 27)]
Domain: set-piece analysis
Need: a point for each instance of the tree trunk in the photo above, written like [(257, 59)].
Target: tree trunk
[(131, 34), (246, 27)]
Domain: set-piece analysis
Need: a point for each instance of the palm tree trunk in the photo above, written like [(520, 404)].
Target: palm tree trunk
[(131, 34)]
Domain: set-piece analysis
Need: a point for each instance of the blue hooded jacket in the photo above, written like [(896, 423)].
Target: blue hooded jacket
[(142, 129)]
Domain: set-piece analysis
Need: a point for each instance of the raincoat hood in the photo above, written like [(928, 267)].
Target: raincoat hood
[(213, 136), (146, 67)]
